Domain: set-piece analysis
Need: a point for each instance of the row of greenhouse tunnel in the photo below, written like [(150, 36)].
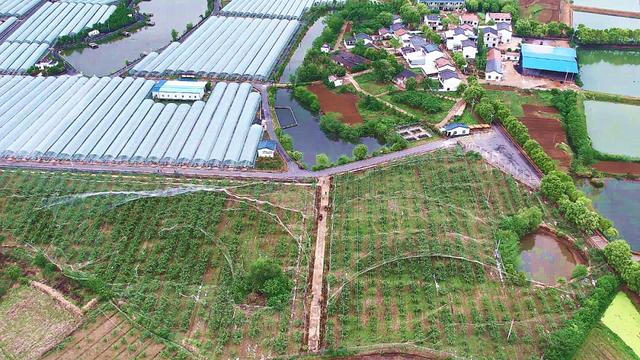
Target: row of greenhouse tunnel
[(115, 120)]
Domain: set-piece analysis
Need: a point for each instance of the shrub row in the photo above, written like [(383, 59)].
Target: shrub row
[(618, 254), (307, 99), (490, 110), (614, 36), (564, 342), (510, 231), (419, 100)]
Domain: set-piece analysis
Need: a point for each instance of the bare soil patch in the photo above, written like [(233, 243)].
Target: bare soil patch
[(550, 9), (546, 130), (618, 167), (345, 104), (32, 323)]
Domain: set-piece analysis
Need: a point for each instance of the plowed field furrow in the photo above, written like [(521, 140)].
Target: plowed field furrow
[(80, 335), (94, 351), (91, 339)]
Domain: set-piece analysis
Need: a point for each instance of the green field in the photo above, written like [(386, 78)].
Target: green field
[(404, 244), (515, 100), (423, 115), (602, 343), (623, 319), (369, 84), (174, 252)]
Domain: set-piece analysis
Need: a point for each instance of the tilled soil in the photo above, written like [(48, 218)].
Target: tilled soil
[(550, 12), (618, 167), (345, 104), (547, 131)]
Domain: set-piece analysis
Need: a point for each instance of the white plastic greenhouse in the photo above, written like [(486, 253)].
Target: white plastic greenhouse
[(16, 7), (225, 48), (114, 120), (279, 9)]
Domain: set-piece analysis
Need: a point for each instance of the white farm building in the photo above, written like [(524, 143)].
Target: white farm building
[(179, 90)]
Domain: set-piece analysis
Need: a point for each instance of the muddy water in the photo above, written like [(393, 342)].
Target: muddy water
[(601, 22), (623, 5), (622, 69), (619, 201), (167, 15), (544, 258), (307, 135), (613, 128), (298, 56)]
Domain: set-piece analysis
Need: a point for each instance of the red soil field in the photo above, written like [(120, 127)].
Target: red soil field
[(550, 9), (547, 131), (344, 104), (618, 167)]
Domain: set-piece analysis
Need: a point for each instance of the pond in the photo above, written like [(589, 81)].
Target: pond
[(601, 22), (613, 128), (305, 44), (167, 15), (622, 69), (622, 5), (545, 258), (307, 135), (619, 201)]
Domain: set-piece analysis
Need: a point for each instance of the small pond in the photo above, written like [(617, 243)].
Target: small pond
[(622, 69), (601, 22), (307, 135), (613, 127), (167, 15), (619, 201), (298, 56), (622, 5), (545, 258)]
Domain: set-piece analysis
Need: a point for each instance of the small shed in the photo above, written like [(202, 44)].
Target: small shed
[(326, 48), (455, 129), (266, 148)]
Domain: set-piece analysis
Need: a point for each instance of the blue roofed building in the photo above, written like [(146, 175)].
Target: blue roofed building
[(548, 61), (455, 129), (266, 148), (179, 90)]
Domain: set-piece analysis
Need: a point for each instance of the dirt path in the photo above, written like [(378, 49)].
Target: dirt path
[(317, 285), (456, 109)]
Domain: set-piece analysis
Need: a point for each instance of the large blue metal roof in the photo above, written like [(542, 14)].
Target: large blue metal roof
[(549, 58)]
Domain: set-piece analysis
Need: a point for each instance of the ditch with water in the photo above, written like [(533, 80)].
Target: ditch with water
[(601, 22), (111, 56), (305, 44), (622, 5), (307, 135), (619, 201), (544, 257)]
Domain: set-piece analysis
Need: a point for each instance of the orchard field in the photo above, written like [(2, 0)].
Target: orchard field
[(412, 262), (175, 255)]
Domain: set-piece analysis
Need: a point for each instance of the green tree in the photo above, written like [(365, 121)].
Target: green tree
[(360, 152), (459, 60), (384, 71), (579, 272), (411, 84), (322, 162), (473, 94)]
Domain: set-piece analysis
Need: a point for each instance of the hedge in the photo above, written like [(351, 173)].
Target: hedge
[(564, 342)]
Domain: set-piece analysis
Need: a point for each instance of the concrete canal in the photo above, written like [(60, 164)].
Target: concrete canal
[(167, 15)]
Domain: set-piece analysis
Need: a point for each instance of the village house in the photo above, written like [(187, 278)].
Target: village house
[(455, 37), (455, 129), (493, 71), (325, 48), (449, 80), (403, 35), (401, 79), (397, 19), (511, 56), (504, 32), (412, 56), (348, 60), (469, 49), (446, 5), (336, 81), (444, 64), (433, 22), (490, 37), (396, 27), (384, 34), (266, 149), (351, 42), (498, 17), (470, 19)]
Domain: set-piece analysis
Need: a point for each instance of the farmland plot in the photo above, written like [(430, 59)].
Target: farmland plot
[(173, 253), (412, 262)]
